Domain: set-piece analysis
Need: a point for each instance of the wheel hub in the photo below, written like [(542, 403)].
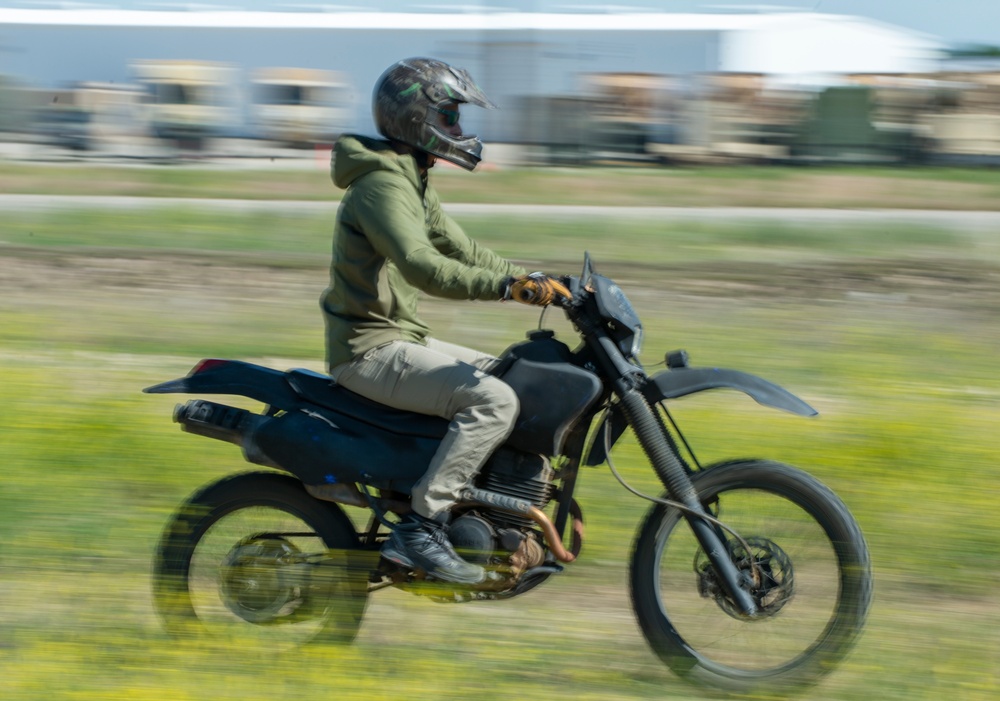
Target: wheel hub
[(766, 572), (253, 583)]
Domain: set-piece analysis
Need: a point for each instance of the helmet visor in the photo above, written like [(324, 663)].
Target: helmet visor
[(456, 85)]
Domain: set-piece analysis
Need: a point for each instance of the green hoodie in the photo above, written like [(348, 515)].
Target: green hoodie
[(392, 241)]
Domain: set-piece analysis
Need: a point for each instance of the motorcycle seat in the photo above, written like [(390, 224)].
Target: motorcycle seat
[(320, 390)]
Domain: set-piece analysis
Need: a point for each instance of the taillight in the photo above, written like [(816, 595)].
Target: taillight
[(208, 364)]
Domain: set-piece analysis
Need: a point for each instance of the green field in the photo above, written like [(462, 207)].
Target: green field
[(890, 333), (751, 186)]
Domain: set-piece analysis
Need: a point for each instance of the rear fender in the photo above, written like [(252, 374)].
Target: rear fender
[(234, 377)]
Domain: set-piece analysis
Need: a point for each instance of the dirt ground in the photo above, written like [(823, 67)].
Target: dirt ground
[(957, 285)]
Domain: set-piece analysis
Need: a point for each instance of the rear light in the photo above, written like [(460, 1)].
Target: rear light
[(208, 364)]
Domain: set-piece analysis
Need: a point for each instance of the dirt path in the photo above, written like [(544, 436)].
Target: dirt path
[(964, 285)]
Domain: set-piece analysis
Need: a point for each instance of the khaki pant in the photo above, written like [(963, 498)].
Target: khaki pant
[(446, 380)]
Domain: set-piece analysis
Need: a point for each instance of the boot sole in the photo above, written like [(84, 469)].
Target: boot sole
[(397, 558)]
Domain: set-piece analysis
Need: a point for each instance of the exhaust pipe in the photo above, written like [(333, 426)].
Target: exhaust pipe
[(503, 502), (224, 423)]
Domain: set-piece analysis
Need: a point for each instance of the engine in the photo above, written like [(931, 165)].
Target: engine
[(491, 536), (521, 475)]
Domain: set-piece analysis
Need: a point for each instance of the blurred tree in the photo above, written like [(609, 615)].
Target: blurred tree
[(975, 51)]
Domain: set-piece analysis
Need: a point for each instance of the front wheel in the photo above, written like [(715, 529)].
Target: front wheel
[(253, 557), (808, 570)]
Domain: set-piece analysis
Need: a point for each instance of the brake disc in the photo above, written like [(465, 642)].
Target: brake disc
[(767, 570)]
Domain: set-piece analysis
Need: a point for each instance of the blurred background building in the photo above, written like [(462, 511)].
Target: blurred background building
[(574, 87)]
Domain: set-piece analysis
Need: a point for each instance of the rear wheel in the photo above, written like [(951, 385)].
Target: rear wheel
[(811, 576), (253, 556)]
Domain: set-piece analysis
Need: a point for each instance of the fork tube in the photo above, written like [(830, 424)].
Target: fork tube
[(651, 432), (654, 439)]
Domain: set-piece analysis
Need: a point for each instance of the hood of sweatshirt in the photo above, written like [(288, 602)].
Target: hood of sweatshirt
[(355, 156)]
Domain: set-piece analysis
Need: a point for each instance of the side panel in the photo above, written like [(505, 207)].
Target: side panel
[(320, 447)]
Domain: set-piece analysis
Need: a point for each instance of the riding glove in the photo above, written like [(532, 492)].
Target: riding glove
[(535, 288)]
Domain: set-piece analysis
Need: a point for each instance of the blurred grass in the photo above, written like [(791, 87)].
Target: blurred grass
[(301, 238), (890, 333), (752, 186)]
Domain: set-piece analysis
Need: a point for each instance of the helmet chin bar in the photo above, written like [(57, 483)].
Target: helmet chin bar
[(465, 151)]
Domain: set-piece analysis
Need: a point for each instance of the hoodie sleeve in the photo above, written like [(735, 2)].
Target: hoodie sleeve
[(393, 218), (449, 238)]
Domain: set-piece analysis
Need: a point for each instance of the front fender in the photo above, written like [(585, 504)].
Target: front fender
[(680, 382)]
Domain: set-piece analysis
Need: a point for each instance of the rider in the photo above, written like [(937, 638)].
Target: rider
[(392, 241)]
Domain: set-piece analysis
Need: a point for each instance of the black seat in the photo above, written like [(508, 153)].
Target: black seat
[(321, 390)]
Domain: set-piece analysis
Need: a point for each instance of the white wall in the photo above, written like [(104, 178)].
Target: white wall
[(510, 54), (827, 44)]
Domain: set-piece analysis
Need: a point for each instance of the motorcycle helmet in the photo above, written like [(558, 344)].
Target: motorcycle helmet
[(407, 104)]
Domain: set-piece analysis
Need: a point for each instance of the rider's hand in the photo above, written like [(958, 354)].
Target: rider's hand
[(535, 288)]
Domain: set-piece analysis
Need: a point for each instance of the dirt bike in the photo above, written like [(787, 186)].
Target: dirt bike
[(745, 575)]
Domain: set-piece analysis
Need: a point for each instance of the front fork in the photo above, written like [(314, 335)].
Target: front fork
[(654, 439), (652, 435)]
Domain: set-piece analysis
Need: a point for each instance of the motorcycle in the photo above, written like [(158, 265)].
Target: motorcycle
[(745, 575)]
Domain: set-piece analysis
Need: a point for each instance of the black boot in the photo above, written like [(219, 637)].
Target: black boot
[(422, 543)]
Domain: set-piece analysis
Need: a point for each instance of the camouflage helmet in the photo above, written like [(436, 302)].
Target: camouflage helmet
[(405, 101)]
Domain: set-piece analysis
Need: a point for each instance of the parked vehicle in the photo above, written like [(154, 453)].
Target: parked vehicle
[(747, 575), (300, 106), (185, 101)]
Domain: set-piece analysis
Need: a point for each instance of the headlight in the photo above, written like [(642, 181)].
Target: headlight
[(616, 309)]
